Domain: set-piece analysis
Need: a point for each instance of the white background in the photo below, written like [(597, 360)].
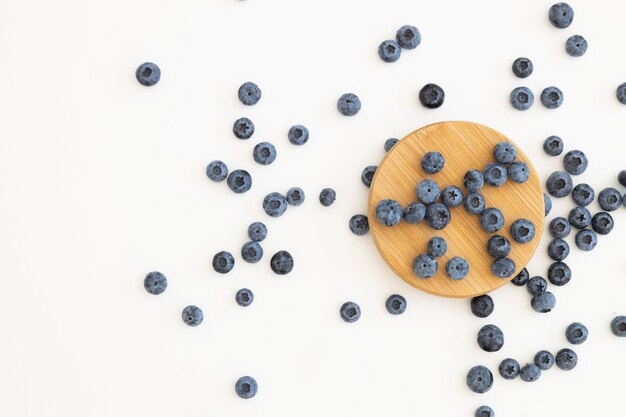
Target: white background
[(102, 180)]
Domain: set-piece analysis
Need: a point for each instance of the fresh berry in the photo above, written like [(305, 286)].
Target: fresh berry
[(408, 37), (498, 246), (244, 297), (359, 224), (257, 232), (327, 197), (575, 162), (495, 174), (433, 162), (583, 194), (217, 171), (482, 306), (388, 212), (457, 268), (155, 283), (282, 262), (452, 196), (491, 219), (602, 223), (543, 303), (610, 199), (223, 262), (551, 97), (561, 15), (389, 143), (474, 203), (246, 387), (586, 240), (522, 67), (503, 268), (576, 46), (243, 128), (349, 104), (350, 312), (295, 196), (473, 180), (509, 368), (566, 359), (424, 265), (148, 74), (264, 153), (479, 379), (275, 204), (432, 96), (437, 216), (544, 360), (579, 217), (576, 333), (560, 227), (553, 146), (504, 152), (437, 246), (249, 93), (558, 249), (239, 181), (521, 98), (621, 177), (298, 135), (251, 252), (522, 231), (484, 411), (547, 204), (536, 285), (530, 372), (519, 172), (389, 51), (192, 316), (522, 278), (427, 191), (368, 174), (621, 97), (559, 184), (618, 326), (395, 304), (414, 213), (559, 274)]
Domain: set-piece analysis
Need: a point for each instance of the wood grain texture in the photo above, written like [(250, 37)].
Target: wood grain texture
[(465, 146)]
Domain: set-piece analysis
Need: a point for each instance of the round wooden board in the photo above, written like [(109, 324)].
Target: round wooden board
[(465, 146)]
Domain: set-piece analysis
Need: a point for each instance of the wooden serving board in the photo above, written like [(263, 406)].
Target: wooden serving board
[(465, 146)]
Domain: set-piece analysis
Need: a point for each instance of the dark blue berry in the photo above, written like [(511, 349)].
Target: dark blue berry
[(621, 177), (586, 240), (561, 15), (618, 326), (389, 51), (249, 93), (414, 213), (217, 171), (559, 184), (257, 232), (350, 312), (251, 252), (560, 227), (491, 219), (388, 212), (484, 411), (558, 249), (544, 360), (536, 285), (551, 97), (621, 96), (295, 196), (583, 195), (243, 128), (474, 203), (509, 368), (575, 162), (522, 278), (519, 172), (264, 153), (148, 74), (424, 266), (602, 223), (246, 387), (275, 204), (479, 379), (522, 67), (553, 146), (457, 268), (576, 46), (503, 268), (495, 174), (610, 199), (298, 135), (239, 181), (349, 104), (359, 224), (427, 191), (368, 174), (452, 196), (576, 333), (559, 273), (504, 152), (566, 359), (543, 302), (155, 283), (192, 316), (431, 96), (579, 217), (244, 297), (521, 98), (327, 197), (547, 204), (282, 262), (437, 216), (482, 306), (498, 246), (437, 246), (395, 304), (223, 262), (473, 180), (408, 37), (433, 162), (530, 372), (389, 143)]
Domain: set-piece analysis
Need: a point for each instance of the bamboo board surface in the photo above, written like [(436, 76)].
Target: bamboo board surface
[(465, 146)]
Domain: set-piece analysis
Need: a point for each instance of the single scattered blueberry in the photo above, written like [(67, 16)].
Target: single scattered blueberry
[(543, 302), (437, 246), (239, 181), (389, 143), (257, 232), (498, 246), (275, 204), (349, 104), (495, 174), (452, 196), (246, 387), (327, 197), (586, 240), (217, 171), (560, 227), (521, 98), (192, 316), (576, 333), (148, 74), (223, 262), (433, 162), (566, 359), (473, 180), (559, 273), (519, 172), (561, 15), (457, 268), (491, 219), (621, 177), (359, 224), (575, 162), (530, 372), (551, 97), (350, 312), (414, 213), (244, 297), (427, 191), (155, 283), (243, 128), (264, 153), (522, 278), (368, 174), (504, 152), (388, 212), (579, 217), (482, 306), (298, 135), (618, 326), (431, 96), (559, 184), (484, 411), (576, 46), (295, 196), (251, 252), (553, 146), (602, 223), (621, 97), (547, 204), (389, 51), (474, 203), (558, 249), (249, 93), (424, 265), (282, 262), (479, 379), (437, 216), (503, 267), (395, 304), (509, 368), (522, 67), (583, 194), (536, 285), (544, 360), (610, 199), (408, 37)]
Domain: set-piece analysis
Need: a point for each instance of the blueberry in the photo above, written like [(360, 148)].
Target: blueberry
[(474, 203), (479, 379), (518, 172), (427, 191), (576, 333), (495, 174), (327, 197), (504, 152), (244, 297), (349, 104), (223, 262), (473, 180), (437, 246), (264, 153), (350, 312), (553, 146), (388, 212), (586, 240), (246, 387), (544, 360), (610, 199), (509, 368), (583, 194), (192, 316), (148, 74), (536, 285), (389, 51), (602, 223), (491, 219), (408, 37), (575, 162), (275, 204), (551, 97), (257, 232), (547, 204), (561, 15), (618, 326), (217, 171), (433, 162), (503, 268), (432, 96), (579, 217), (498, 246), (576, 46), (559, 184), (298, 135), (559, 273), (530, 372), (395, 304), (452, 196), (282, 262), (522, 278), (368, 174), (389, 143), (621, 96), (295, 196), (359, 224), (251, 252), (414, 213), (243, 128), (543, 302), (521, 98), (424, 266), (457, 268), (566, 359), (484, 411), (522, 67), (560, 227), (621, 177), (249, 93), (558, 250), (155, 283), (482, 306), (239, 181), (437, 216)]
